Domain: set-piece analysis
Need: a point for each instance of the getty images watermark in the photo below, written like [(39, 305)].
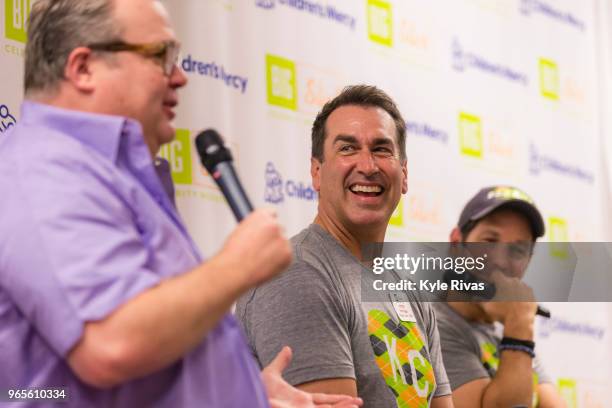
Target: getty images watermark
[(518, 271)]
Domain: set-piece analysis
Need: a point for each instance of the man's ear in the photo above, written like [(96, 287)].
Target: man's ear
[(405, 177), (315, 173), (455, 236), (78, 70)]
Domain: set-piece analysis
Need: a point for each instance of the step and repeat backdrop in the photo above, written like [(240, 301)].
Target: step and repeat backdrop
[(493, 91)]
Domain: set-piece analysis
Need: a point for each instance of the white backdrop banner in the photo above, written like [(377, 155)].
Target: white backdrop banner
[(493, 91)]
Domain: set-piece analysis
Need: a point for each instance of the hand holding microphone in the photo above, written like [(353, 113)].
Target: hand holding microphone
[(257, 247), (491, 291)]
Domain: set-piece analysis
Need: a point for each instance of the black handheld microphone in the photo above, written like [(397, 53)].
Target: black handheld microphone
[(489, 288), (217, 159)]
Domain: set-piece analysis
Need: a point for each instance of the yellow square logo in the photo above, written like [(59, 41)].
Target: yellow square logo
[(397, 218), (558, 237), (178, 154), (470, 135), (380, 22), (16, 13), (567, 390), (549, 79), (281, 82)]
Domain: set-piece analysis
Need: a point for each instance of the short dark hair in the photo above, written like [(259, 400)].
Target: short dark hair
[(360, 95)]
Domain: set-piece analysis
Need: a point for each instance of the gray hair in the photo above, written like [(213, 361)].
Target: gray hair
[(55, 28)]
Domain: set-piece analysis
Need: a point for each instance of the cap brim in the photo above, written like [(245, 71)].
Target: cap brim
[(528, 210)]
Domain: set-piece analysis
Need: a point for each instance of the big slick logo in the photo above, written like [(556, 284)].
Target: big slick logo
[(403, 35), (16, 13), (463, 60), (277, 188), (549, 79), (529, 7), (191, 179), (557, 85), (6, 119), (558, 234), (540, 162), (299, 87), (567, 390), (488, 139), (15, 19), (380, 22), (327, 12)]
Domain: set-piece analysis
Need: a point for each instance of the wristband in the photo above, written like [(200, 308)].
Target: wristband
[(516, 347), (518, 342)]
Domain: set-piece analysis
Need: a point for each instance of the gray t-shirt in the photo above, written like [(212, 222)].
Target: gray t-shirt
[(470, 349), (315, 308)]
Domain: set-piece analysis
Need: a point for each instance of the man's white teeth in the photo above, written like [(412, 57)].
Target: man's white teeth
[(366, 189)]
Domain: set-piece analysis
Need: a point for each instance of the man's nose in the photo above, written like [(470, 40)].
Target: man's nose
[(178, 78), (366, 163), (498, 258)]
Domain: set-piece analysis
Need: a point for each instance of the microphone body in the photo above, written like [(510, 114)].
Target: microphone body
[(217, 160), (226, 178)]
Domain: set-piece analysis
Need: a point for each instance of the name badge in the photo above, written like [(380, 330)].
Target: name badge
[(404, 311)]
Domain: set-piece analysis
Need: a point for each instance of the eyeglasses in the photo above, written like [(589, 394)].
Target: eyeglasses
[(165, 52)]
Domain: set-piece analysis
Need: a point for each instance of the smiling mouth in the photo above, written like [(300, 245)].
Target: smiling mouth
[(366, 191)]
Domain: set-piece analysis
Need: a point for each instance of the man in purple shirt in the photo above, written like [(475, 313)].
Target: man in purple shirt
[(103, 294)]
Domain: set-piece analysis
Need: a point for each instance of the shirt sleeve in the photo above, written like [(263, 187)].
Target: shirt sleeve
[(75, 250), (299, 309), (433, 336), (461, 356)]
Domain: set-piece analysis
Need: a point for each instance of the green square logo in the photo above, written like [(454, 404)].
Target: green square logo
[(470, 135), (380, 22), (549, 79), (282, 82), (397, 218), (178, 154), (567, 390), (16, 13), (558, 237)]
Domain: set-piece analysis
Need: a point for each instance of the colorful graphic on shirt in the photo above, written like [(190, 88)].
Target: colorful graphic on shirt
[(490, 360), (400, 355)]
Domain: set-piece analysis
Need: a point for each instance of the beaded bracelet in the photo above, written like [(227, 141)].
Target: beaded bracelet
[(516, 347)]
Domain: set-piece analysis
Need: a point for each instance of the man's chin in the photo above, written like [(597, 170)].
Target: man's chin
[(166, 134)]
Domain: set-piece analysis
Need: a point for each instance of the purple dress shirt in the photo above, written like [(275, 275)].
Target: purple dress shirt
[(85, 225)]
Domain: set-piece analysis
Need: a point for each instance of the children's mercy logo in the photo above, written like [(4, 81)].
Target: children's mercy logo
[(16, 13), (325, 11), (265, 4), (380, 22), (461, 60), (276, 187), (6, 119), (281, 82), (528, 7)]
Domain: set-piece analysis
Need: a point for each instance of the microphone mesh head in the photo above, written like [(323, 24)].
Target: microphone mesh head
[(211, 149)]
